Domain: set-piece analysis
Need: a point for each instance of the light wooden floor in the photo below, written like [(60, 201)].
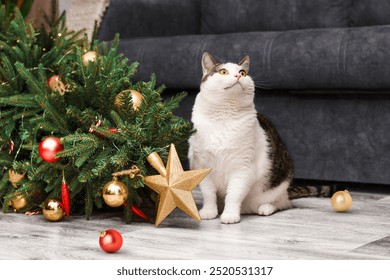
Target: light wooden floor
[(311, 230)]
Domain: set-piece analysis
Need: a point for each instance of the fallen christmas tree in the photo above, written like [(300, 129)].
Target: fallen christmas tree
[(71, 117)]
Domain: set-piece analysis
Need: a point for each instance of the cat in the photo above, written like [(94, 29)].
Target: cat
[(251, 167)]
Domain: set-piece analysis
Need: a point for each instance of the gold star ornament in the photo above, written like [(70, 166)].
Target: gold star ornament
[(174, 185)]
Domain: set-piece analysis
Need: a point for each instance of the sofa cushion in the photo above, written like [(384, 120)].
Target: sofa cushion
[(224, 16), (370, 12), (331, 58), (143, 18)]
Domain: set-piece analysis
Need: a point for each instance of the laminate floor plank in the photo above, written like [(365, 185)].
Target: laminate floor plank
[(310, 230)]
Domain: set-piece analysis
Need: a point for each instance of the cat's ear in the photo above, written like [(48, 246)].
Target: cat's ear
[(208, 63), (245, 62)]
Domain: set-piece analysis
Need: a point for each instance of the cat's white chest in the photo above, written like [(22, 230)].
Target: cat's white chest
[(216, 136), (224, 135)]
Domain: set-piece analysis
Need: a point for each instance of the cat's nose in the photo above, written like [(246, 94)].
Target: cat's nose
[(238, 76)]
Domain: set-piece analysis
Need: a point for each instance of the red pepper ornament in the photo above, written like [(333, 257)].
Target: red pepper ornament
[(139, 213), (65, 195)]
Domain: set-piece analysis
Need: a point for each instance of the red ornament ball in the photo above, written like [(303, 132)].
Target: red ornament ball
[(49, 147), (110, 240)]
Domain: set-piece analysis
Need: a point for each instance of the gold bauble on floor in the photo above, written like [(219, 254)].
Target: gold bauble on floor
[(341, 201)]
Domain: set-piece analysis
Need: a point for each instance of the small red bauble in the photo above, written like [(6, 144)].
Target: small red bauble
[(49, 147), (110, 240), (52, 79)]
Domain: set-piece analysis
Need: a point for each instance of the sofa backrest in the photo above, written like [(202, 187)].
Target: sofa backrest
[(150, 18), (226, 16), (370, 12), (154, 18)]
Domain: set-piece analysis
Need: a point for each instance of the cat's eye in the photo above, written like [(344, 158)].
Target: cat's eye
[(243, 73), (223, 72)]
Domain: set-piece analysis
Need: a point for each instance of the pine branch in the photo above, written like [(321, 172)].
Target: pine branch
[(7, 73), (25, 114), (57, 119), (5, 187), (32, 83), (173, 102), (86, 143), (117, 119), (5, 159), (88, 203), (21, 100)]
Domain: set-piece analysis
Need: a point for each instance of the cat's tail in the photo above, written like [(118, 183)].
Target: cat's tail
[(299, 191)]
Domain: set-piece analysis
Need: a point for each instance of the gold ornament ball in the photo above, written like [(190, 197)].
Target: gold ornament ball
[(53, 211), (135, 96), (18, 203), (341, 201), (115, 193), (56, 84), (88, 57)]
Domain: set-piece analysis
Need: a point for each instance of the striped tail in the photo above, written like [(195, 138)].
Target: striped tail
[(295, 192)]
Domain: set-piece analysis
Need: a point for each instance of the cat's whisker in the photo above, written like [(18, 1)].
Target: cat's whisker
[(264, 84)]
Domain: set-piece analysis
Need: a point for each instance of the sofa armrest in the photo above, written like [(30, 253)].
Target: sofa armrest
[(150, 18)]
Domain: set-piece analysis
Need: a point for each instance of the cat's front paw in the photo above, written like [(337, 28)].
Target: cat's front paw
[(208, 213), (230, 218)]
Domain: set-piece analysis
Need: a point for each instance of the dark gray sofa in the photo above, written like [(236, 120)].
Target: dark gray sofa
[(322, 69)]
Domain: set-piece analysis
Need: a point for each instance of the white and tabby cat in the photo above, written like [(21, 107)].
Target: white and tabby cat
[(251, 168)]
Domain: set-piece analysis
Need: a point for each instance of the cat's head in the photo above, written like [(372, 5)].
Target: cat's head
[(226, 77)]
